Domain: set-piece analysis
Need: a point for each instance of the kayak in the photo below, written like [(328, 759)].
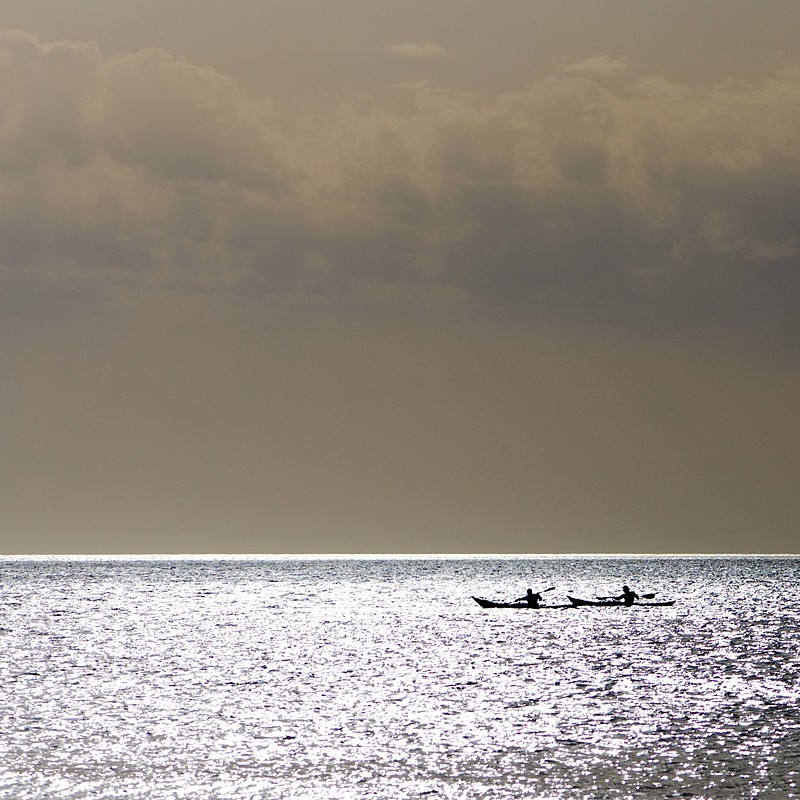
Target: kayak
[(576, 601), (495, 604)]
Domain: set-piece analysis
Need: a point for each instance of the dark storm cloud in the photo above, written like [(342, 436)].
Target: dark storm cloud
[(592, 192)]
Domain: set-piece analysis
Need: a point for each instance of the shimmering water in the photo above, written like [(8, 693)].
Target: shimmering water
[(381, 678)]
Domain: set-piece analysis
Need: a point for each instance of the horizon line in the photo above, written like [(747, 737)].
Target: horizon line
[(386, 556)]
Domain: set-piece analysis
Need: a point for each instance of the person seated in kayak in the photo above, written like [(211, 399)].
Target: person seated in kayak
[(531, 598), (627, 596)]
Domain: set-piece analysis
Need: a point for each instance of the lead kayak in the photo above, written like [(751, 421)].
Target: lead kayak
[(577, 601), (495, 604)]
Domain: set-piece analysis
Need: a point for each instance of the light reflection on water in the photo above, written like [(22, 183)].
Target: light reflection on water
[(381, 678)]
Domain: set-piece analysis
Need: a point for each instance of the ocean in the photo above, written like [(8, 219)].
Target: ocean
[(380, 677)]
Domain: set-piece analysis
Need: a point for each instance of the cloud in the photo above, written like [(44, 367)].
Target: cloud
[(421, 51), (600, 65), (47, 93), (646, 200)]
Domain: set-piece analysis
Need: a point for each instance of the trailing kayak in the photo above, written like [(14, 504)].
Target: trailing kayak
[(577, 601), (495, 604)]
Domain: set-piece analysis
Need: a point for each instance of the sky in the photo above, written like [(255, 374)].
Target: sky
[(361, 276)]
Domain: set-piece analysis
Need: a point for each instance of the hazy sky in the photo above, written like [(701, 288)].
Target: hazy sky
[(366, 276)]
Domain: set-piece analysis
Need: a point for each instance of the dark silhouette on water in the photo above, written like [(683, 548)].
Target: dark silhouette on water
[(531, 598), (627, 596)]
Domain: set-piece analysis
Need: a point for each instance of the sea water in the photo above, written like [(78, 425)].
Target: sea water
[(372, 677)]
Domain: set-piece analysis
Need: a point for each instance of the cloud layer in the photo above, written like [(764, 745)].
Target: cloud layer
[(415, 50), (595, 192)]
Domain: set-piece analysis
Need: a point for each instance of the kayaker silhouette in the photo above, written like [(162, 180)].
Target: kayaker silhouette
[(531, 598), (628, 596)]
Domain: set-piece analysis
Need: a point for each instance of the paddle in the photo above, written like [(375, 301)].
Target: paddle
[(548, 589), (648, 596)]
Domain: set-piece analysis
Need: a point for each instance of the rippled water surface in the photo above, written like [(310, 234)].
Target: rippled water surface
[(350, 678)]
